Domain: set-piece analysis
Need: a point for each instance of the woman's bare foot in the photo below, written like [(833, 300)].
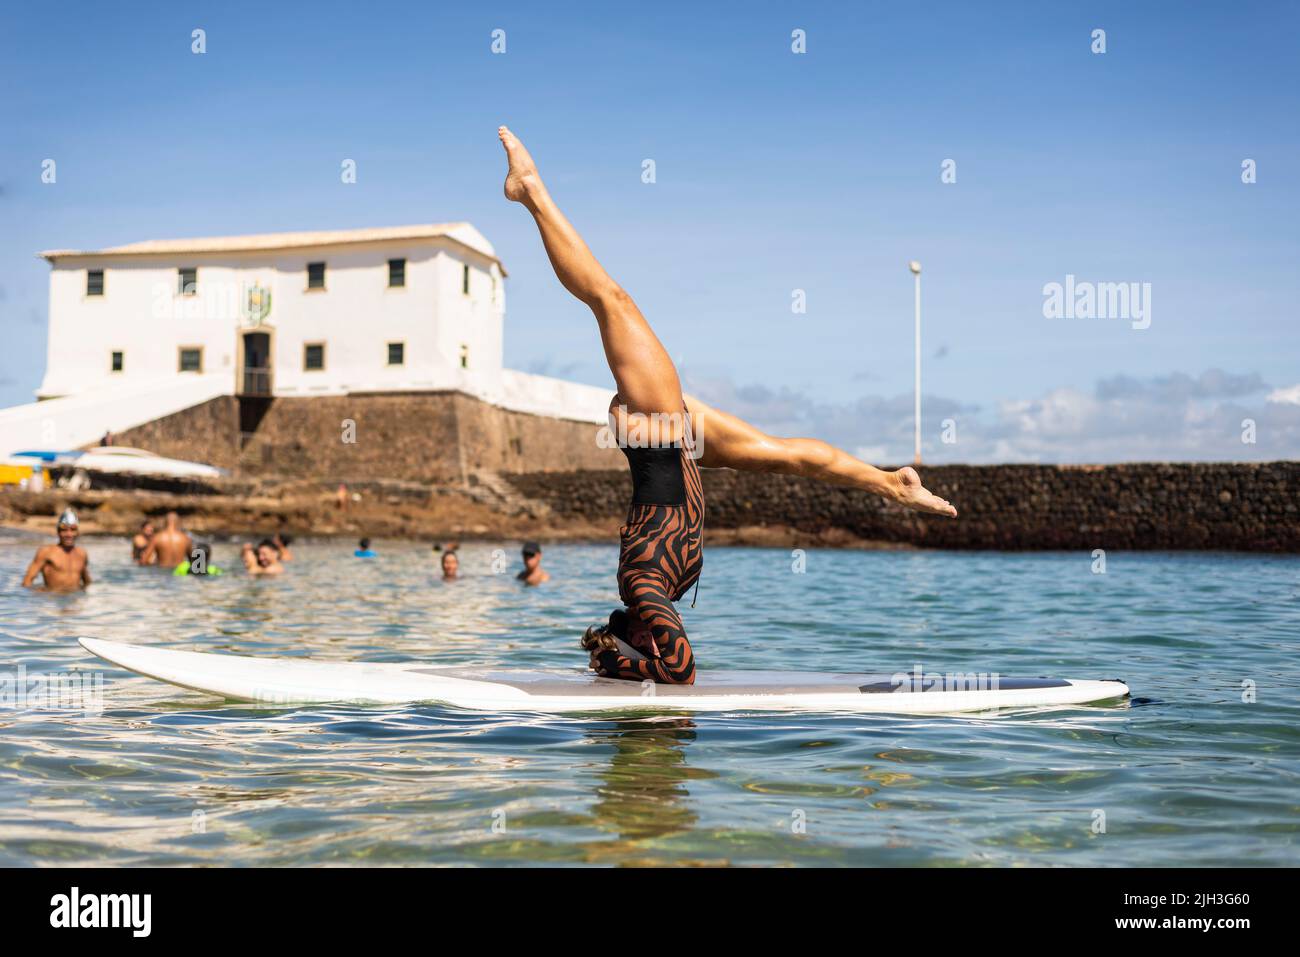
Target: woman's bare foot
[(523, 184), (915, 495)]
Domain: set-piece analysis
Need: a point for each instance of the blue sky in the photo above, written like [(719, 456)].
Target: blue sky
[(775, 172)]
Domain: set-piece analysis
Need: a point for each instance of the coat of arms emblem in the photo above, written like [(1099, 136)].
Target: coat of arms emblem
[(256, 305)]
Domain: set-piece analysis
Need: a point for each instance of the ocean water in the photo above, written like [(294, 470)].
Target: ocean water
[(1202, 767)]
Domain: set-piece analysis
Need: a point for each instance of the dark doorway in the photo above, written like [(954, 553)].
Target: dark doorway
[(257, 364)]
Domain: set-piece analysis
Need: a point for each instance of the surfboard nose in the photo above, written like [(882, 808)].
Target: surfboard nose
[(97, 647)]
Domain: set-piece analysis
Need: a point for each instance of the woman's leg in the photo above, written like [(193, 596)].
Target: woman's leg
[(646, 378), (724, 441)]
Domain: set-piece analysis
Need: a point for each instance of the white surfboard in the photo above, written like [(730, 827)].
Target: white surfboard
[(289, 681)]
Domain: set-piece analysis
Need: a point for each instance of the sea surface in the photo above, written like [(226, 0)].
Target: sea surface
[(1201, 767)]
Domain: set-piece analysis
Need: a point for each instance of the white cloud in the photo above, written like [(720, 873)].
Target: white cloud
[(1288, 396), (872, 453)]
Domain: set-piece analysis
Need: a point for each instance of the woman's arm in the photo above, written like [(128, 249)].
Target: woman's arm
[(671, 660)]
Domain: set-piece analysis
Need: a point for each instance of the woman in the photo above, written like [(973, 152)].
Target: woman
[(663, 433)]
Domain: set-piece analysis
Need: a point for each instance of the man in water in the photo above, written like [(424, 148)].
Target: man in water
[(533, 573), (200, 562), (363, 549), (450, 566), (262, 560), (670, 436), (65, 566), (168, 547), (140, 541)]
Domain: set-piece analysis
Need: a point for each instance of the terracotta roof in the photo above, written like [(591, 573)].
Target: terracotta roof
[(462, 233)]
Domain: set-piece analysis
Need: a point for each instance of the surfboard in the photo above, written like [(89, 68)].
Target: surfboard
[(294, 681)]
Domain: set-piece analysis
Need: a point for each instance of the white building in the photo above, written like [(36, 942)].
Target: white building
[(140, 331), (414, 307)]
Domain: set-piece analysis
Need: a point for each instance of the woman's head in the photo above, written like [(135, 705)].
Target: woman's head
[(601, 637)]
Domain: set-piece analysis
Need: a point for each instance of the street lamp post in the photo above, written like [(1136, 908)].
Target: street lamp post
[(916, 272)]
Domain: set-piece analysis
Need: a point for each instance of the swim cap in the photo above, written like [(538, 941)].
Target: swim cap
[(68, 518)]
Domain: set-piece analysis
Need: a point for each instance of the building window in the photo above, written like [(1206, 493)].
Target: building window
[(396, 353), (464, 356), (464, 279), (396, 273), (315, 275), (115, 362), (94, 282), (187, 281), (313, 357), (191, 359)]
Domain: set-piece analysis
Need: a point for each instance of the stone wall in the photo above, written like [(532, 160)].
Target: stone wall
[(435, 437), (1139, 506), (496, 440), (202, 433), (448, 437)]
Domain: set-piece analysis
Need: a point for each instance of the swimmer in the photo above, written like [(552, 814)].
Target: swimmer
[(670, 436), (363, 549), (450, 566), (282, 542), (62, 567), (169, 546), (199, 563), (533, 573), (140, 541), (262, 560)]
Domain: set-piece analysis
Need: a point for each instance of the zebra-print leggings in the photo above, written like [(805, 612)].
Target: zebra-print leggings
[(660, 558)]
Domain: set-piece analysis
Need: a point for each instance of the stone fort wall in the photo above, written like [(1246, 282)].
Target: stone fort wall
[(449, 437), (1233, 506), (420, 437)]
